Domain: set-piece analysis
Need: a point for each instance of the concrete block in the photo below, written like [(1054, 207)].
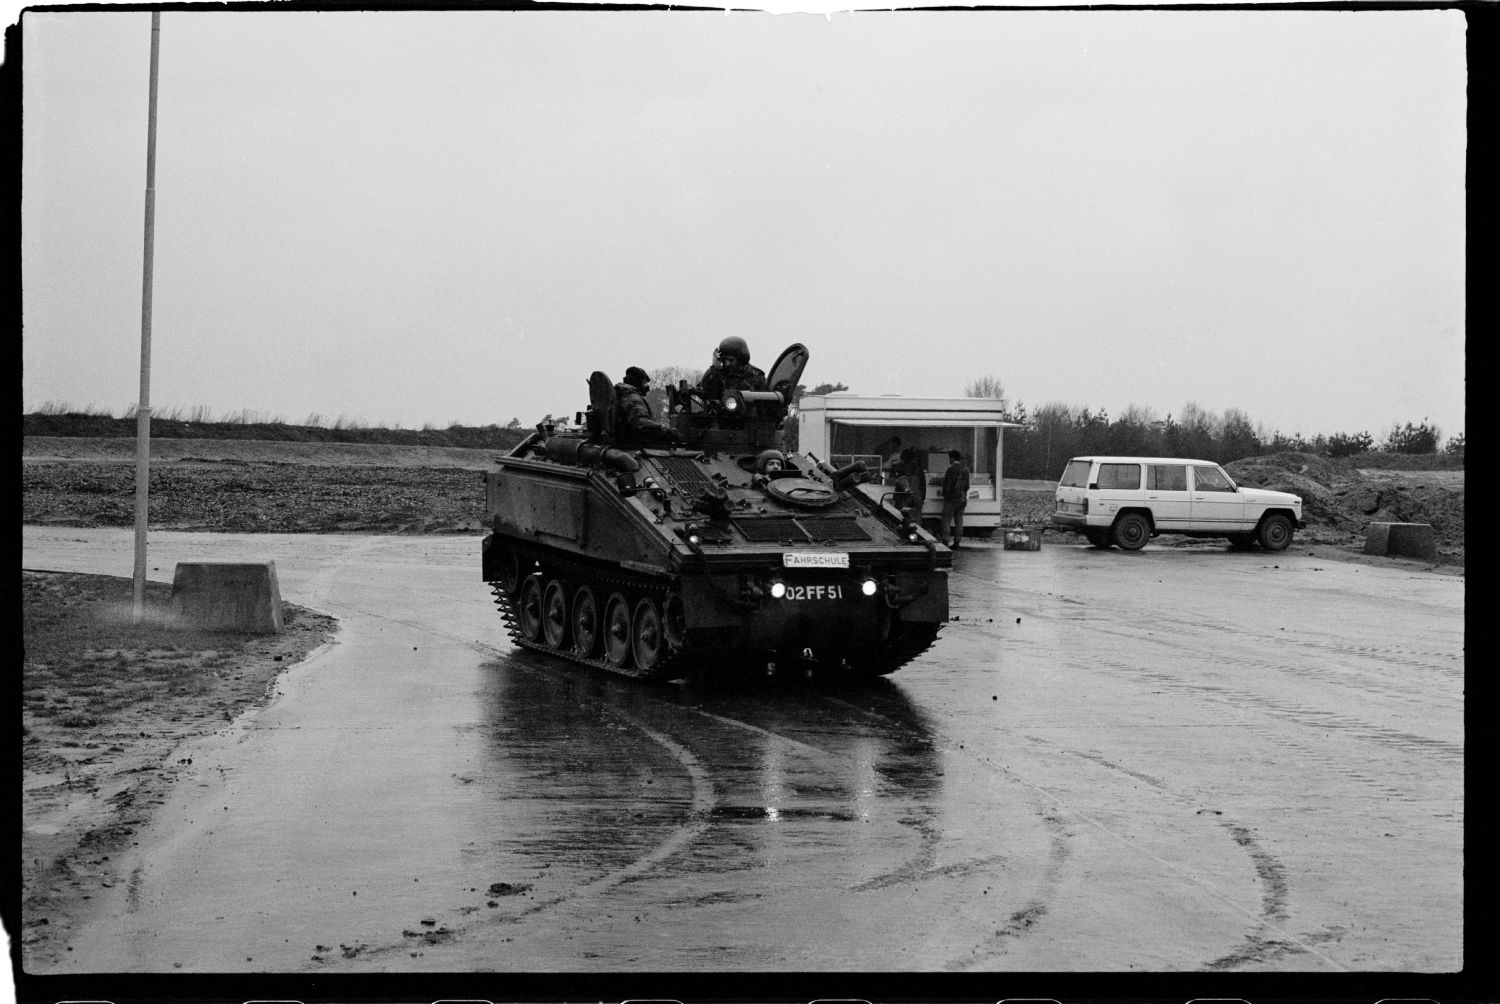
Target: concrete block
[(1401, 540), (228, 596)]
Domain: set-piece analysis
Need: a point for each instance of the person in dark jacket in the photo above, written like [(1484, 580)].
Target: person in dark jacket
[(731, 370), (955, 498), (633, 420), (912, 466)]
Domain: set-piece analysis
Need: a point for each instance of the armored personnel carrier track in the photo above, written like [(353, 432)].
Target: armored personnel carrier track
[(610, 619), (629, 623)]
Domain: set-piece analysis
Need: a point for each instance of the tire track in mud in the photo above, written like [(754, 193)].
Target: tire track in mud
[(706, 810), (1021, 922), (922, 867), (1265, 940), (699, 819), (1258, 947), (922, 863), (1182, 630), (1447, 663), (1018, 922), (1312, 718), (1269, 871), (1314, 667)]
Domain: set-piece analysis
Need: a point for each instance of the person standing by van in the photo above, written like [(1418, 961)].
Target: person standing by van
[(955, 498)]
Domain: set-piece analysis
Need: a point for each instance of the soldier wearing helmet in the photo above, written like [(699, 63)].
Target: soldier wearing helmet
[(770, 462), (731, 370)]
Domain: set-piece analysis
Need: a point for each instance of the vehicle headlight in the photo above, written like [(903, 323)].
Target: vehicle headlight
[(778, 589), (868, 587)]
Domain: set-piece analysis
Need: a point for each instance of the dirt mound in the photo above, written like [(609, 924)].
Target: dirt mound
[(1340, 498)]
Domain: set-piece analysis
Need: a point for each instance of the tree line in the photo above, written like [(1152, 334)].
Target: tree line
[(1052, 433)]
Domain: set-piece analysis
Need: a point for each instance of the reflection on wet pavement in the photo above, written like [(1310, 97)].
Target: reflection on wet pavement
[(772, 791)]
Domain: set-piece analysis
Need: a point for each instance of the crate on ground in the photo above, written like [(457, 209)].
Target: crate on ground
[(1021, 538)]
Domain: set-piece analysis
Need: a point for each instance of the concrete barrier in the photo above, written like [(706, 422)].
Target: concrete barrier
[(1401, 540), (228, 596)]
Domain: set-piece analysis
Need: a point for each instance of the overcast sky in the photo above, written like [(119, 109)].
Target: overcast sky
[(428, 217)]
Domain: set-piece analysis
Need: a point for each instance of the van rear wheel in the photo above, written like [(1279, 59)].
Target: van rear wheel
[(1131, 532)]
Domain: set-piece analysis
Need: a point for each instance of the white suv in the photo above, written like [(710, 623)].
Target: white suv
[(1128, 500)]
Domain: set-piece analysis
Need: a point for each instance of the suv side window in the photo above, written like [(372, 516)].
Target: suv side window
[(1211, 479), (1120, 476), (1076, 474), (1167, 477)]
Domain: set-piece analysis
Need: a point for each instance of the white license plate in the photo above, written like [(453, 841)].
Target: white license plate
[(830, 592), (815, 559)]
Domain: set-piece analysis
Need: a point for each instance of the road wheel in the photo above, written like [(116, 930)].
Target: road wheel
[(529, 609), (585, 623), (1241, 541), (617, 631), (555, 614), (1132, 530), (510, 572), (648, 642), (1274, 532), (674, 622), (1099, 538)]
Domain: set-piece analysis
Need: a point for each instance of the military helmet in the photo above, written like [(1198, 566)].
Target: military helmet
[(764, 459), (735, 346)]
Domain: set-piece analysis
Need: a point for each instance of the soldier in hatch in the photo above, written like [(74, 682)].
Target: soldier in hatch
[(732, 370), (633, 420)]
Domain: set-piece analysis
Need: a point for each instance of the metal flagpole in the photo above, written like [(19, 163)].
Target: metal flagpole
[(143, 409)]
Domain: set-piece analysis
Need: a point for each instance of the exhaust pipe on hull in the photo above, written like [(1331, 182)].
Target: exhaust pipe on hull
[(568, 450)]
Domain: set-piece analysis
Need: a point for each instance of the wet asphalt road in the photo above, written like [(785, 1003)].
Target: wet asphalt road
[(1180, 759)]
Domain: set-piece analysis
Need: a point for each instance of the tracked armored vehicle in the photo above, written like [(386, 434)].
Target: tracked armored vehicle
[(692, 552)]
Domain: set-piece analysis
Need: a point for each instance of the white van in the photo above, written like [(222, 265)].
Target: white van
[(1128, 500)]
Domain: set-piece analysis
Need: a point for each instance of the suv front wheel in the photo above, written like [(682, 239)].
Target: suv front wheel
[(1274, 532), (1132, 530)]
